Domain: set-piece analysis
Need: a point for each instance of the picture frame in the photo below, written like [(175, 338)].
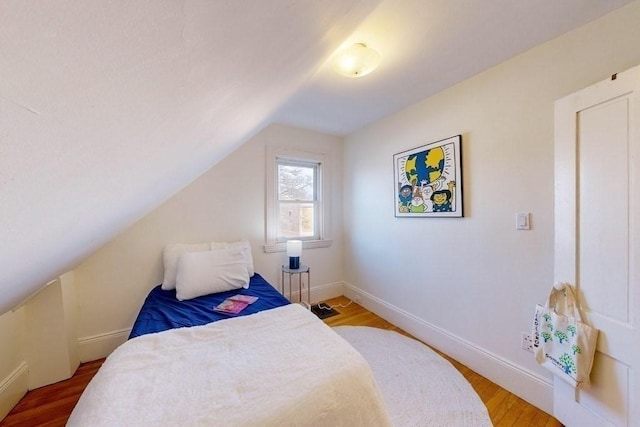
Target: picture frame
[(428, 180)]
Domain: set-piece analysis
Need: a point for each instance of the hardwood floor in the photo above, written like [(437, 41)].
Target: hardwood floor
[(51, 406)]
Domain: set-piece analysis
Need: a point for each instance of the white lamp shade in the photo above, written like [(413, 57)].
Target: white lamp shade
[(356, 61), (294, 248)]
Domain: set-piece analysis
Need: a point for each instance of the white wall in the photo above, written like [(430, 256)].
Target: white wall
[(13, 369), (50, 339), (469, 286), (11, 341), (226, 203)]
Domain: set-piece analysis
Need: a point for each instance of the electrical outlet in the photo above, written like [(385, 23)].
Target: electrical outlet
[(526, 342)]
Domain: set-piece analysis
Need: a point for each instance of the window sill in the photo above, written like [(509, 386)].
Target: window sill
[(306, 244)]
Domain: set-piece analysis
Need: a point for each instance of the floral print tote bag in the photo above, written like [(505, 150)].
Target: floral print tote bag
[(562, 342)]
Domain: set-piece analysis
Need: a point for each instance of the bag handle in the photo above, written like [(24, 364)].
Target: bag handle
[(565, 295)]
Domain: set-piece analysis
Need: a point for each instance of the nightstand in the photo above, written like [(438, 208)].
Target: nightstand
[(297, 272)]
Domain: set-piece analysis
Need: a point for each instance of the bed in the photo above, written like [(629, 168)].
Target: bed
[(273, 364), (281, 366)]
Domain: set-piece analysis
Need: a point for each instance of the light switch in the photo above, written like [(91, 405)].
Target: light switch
[(523, 221)]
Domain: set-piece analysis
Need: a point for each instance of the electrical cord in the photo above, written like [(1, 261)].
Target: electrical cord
[(323, 306)]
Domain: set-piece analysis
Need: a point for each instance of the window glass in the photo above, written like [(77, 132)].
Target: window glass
[(297, 197), (296, 182), (296, 220)]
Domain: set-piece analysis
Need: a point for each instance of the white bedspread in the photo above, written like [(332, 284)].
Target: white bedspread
[(280, 367)]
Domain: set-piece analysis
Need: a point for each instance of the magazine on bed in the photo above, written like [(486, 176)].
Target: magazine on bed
[(235, 304)]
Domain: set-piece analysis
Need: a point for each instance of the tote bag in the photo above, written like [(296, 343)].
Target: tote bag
[(562, 343)]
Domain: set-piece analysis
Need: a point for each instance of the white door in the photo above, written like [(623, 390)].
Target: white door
[(597, 242)]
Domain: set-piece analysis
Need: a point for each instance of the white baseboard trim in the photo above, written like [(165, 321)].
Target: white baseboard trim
[(327, 291), (12, 388), (319, 293), (519, 381), (100, 346)]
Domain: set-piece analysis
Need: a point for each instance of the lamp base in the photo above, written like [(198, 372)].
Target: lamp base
[(294, 262)]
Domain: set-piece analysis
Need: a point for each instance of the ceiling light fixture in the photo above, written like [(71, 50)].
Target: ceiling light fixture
[(356, 61)]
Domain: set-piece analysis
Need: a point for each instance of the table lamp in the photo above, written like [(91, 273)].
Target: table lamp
[(294, 250)]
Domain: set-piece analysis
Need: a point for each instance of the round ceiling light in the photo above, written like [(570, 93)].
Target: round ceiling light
[(356, 61)]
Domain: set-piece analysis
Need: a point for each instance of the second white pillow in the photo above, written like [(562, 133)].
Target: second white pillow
[(242, 245)]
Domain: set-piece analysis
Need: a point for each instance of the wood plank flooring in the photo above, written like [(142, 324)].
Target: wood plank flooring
[(51, 406)]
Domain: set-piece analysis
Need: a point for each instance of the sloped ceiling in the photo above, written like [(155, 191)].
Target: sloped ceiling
[(107, 108)]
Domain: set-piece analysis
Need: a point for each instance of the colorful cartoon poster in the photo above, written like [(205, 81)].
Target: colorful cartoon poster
[(428, 180)]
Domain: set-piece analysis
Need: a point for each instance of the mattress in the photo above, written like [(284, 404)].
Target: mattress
[(162, 311)]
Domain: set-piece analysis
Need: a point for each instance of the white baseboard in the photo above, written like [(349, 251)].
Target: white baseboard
[(319, 293), (325, 292), (100, 346), (12, 388), (519, 381)]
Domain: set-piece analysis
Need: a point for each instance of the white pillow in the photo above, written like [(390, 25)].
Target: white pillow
[(203, 273), (170, 256), (243, 245)]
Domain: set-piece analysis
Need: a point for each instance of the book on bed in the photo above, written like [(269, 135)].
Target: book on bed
[(235, 304)]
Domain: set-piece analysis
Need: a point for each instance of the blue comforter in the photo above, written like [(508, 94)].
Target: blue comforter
[(162, 310)]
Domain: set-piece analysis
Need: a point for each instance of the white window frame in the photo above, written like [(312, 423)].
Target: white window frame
[(272, 243), (316, 201)]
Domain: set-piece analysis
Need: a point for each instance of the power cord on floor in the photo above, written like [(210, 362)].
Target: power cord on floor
[(324, 306)]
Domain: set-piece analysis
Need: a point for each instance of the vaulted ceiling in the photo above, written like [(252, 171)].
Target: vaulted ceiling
[(107, 108)]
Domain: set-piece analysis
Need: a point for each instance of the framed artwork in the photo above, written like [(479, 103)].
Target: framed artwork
[(428, 180)]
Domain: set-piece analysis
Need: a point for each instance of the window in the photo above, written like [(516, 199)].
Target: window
[(296, 199)]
